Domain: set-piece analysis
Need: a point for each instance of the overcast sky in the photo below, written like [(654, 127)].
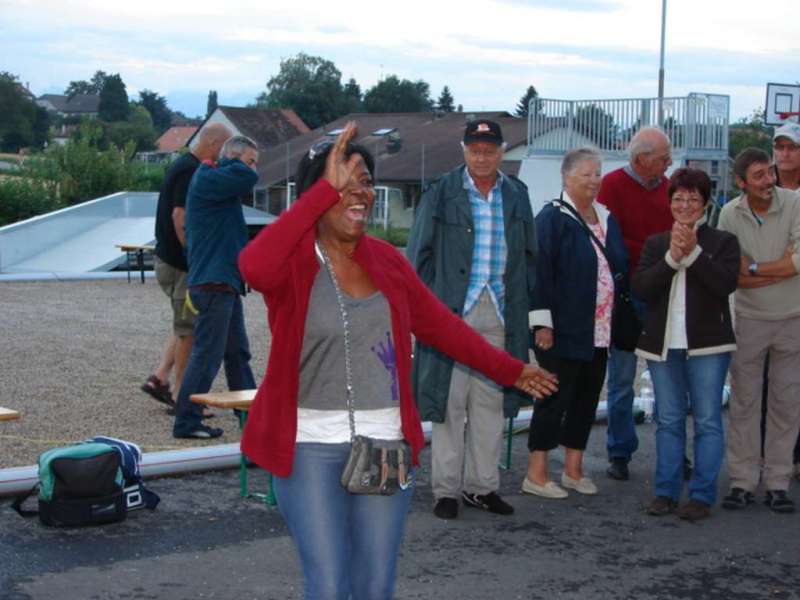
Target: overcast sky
[(487, 52)]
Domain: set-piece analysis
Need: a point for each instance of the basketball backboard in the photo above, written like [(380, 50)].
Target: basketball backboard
[(782, 98)]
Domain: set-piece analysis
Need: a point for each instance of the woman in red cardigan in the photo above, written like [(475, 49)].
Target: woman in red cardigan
[(342, 307)]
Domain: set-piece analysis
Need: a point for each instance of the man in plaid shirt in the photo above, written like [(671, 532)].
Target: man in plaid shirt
[(474, 244)]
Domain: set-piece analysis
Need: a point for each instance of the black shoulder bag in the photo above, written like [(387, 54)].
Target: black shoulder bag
[(626, 327)]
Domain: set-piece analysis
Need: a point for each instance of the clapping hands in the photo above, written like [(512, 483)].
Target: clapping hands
[(682, 241)]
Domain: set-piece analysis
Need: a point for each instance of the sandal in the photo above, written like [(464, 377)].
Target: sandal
[(158, 391)]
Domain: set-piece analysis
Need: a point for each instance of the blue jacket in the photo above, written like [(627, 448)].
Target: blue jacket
[(215, 227), (440, 248), (566, 277)]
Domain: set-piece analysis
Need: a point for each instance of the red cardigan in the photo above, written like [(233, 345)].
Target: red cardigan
[(281, 264), (640, 212)]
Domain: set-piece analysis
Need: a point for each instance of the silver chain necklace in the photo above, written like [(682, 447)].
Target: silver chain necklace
[(348, 370)]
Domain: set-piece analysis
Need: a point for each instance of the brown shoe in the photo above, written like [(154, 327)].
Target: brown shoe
[(694, 510), (660, 506)]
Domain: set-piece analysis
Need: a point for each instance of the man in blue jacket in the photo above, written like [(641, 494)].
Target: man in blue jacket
[(215, 234), (474, 244)]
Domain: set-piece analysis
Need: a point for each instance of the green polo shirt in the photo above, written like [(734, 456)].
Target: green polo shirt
[(766, 241)]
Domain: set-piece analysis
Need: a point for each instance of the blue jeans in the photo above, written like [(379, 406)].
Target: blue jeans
[(348, 543), (702, 378), (219, 335), (621, 440)]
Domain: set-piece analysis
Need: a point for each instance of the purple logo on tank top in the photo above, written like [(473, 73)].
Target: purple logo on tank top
[(387, 356)]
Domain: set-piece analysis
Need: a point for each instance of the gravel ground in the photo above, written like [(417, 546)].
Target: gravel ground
[(73, 355)]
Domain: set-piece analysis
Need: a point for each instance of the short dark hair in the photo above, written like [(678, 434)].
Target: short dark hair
[(312, 165), (688, 178), (747, 157)]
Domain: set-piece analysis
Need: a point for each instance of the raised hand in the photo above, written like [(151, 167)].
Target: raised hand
[(338, 169), (536, 381), (676, 250)]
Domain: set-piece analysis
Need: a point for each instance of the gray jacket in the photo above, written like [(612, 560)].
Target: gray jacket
[(440, 248)]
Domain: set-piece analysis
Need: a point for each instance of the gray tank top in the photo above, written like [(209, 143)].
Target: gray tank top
[(322, 372)]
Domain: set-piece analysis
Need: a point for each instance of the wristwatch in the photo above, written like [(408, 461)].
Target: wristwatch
[(753, 268)]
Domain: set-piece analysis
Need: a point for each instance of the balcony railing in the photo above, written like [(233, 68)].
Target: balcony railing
[(697, 122)]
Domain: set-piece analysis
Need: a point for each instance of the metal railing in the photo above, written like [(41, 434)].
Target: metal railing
[(695, 122)]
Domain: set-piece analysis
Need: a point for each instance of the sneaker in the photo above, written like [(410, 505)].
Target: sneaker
[(779, 502), (201, 432), (660, 506), (737, 498), (618, 469), (158, 390), (549, 490), (446, 508), (491, 502), (694, 510), (584, 485)]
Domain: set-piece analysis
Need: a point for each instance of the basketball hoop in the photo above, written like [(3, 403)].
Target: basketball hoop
[(787, 115)]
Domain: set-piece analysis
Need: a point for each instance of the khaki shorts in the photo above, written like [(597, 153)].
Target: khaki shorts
[(173, 282)]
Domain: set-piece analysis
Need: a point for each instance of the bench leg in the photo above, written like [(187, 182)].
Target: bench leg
[(128, 263), (509, 433), (140, 259), (244, 491)]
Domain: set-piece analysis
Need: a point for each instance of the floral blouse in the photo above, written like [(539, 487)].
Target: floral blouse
[(605, 293)]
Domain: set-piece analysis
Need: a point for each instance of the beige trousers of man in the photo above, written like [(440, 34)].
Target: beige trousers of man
[(754, 338), (466, 448)]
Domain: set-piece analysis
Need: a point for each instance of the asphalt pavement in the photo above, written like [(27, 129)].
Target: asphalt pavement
[(203, 541)]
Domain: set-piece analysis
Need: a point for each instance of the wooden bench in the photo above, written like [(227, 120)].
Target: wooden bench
[(132, 250), (6, 414), (241, 401)]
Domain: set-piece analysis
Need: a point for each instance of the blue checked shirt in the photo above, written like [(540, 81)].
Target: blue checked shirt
[(489, 249)]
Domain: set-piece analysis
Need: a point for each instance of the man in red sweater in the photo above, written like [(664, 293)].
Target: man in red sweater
[(636, 195)]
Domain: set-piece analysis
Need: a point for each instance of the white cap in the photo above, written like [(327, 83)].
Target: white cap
[(790, 130)]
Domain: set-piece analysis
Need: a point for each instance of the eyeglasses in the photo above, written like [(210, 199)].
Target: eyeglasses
[(785, 147), (320, 147), (483, 153), (693, 200)]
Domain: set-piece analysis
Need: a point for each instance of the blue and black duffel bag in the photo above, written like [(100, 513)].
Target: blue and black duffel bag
[(91, 483)]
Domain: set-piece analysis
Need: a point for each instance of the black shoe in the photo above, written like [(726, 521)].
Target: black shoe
[(779, 502), (201, 432), (491, 502), (446, 508), (737, 498), (687, 468), (618, 469)]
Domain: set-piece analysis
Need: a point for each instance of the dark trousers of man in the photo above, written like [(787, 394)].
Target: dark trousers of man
[(219, 336), (566, 417)]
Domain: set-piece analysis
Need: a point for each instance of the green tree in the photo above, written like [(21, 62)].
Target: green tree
[(311, 86), (156, 105), (596, 124), (396, 95), (22, 123), (445, 101), (211, 103), (750, 132), (523, 106), (137, 129), (114, 99), (94, 86), (353, 97)]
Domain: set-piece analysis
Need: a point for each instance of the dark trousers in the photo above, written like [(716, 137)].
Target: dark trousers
[(566, 417)]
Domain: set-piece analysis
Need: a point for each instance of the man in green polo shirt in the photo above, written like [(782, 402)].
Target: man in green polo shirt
[(766, 221)]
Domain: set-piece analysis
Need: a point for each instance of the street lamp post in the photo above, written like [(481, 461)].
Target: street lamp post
[(661, 65)]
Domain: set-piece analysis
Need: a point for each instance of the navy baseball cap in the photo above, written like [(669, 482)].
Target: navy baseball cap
[(483, 131)]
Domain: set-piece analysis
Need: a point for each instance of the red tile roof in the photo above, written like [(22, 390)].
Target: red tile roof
[(174, 138)]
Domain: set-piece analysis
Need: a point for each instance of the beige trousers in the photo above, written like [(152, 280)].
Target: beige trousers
[(466, 448), (754, 338)]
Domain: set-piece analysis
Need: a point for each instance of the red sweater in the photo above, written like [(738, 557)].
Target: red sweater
[(281, 264), (640, 212)]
